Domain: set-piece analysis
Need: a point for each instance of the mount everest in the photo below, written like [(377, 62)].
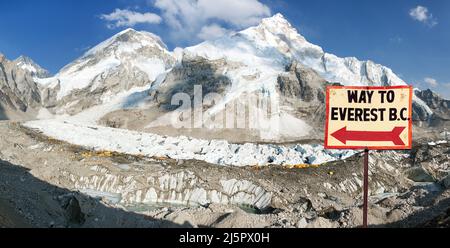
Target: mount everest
[(128, 81)]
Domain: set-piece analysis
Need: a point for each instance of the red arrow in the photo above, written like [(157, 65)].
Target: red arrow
[(343, 136)]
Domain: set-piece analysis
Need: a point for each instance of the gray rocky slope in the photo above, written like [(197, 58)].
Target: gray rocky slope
[(439, 106), (19, 93)]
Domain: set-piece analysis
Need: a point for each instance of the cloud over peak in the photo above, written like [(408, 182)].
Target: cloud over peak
[(212, 31), (128, 18), (207, 19)]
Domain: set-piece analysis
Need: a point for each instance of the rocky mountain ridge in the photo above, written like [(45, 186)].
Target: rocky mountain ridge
[(19, 94), (272, 59), (33, 68)]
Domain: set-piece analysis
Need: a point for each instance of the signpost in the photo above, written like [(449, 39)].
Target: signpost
[(369, 118)]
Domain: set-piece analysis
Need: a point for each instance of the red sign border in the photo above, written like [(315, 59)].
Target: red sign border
[(406, 147)]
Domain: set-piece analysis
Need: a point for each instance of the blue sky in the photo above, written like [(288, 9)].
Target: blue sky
[(411, 37)]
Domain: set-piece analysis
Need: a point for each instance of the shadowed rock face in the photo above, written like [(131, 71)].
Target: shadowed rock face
[(2, 113), (304, 89), (439, 106), (419, 113), (191, 72), (18, 91), (433, 100), (302, 83)]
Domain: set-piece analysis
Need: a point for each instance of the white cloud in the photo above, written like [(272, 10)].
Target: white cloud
[(211, 32), (421, 14), (128, 18), (188, 18), (237, 12), (431, 81)]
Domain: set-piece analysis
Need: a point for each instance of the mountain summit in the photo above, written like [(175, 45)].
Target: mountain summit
[(126, 60), (277, 25), (29, 65), (276, 32), (127, 41)]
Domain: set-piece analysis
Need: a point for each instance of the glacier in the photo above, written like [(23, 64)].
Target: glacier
[(219, 152)]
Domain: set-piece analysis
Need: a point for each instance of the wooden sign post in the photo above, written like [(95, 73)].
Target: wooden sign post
[(369, 118)]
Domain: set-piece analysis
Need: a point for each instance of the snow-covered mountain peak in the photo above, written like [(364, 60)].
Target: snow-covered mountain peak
[(276, 24), (277, 17), (278, 32), (128, 59), (24, 59), (27, 64), (275, 35), (265, 51), (18, 92), (273, 43), (128, 30), (128, 41)]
